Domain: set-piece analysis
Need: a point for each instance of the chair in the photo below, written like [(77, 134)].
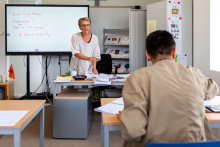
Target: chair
[(105, 64), (186, 144)]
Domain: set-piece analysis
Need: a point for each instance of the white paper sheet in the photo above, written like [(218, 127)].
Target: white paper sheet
[(101, 75), (11, 117), (102, 81), (119, 101), (213, 102), (110, 108), (123, 75)]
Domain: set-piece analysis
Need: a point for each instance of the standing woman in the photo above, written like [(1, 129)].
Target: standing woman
[(85, 49)]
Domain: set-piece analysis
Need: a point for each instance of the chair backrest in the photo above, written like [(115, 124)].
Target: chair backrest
[(186, 144), (105, 64)]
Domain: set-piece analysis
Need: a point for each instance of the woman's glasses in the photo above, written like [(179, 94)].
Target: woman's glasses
[(85, 25)]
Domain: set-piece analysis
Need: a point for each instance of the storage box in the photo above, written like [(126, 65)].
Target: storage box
[(72, 114)]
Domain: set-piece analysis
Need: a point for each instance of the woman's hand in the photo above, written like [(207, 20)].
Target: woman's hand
[(95, 71)]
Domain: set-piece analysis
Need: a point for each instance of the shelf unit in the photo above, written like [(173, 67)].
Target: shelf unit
[(117, 48), (8, 90)]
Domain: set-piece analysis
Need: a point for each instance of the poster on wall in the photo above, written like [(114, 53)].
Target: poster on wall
[(174, 23)]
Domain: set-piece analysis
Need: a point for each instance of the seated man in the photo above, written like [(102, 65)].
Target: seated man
[(164, 102)]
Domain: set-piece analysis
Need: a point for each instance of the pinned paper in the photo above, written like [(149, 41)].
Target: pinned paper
[(151, 26), (11, 72)]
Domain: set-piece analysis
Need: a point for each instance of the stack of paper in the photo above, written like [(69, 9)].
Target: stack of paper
[(121, 77), (213, 102), (102, 81), (101, 75), (112, 107), (91, 75), (63, 79)]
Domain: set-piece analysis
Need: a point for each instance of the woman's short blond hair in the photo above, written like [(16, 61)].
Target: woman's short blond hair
[(84, 19)]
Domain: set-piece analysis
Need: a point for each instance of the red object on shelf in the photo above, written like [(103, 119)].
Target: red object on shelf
[(11, 72)]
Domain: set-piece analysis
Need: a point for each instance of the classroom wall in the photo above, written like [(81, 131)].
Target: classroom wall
[(36, 69), (141, 3), (201, 43), (201, 38), (2, 40)]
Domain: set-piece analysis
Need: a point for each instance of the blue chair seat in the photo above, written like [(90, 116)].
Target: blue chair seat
[(186, 144)]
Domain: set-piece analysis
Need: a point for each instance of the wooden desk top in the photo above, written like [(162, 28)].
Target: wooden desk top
[(213, 117), (111, 119), (6, 83), (31, 105)]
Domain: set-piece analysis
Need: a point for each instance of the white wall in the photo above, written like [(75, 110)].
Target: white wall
[(141, 3), (201, 38), (2, 40), (201, 42)]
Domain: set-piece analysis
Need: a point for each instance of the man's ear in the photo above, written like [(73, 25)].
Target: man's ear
[(148, 56), (174, 53)]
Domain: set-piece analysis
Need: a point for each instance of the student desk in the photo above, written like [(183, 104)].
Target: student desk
[(214, 119), (79, 82), (34, 107), (110, 122)]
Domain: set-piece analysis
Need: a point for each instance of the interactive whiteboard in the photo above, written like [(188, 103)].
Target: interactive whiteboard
[(41, 29)]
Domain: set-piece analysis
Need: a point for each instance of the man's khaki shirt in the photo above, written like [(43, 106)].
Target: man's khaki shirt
[(164, 103)]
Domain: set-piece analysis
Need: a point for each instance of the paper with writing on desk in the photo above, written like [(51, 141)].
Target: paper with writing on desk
[(112, 107), (213, 102), (11, 117), (123, 75), (102, 81), (91, 75), (101, 75)]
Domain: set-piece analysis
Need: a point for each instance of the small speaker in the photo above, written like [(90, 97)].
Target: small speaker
[(1, 93), (137, 7)]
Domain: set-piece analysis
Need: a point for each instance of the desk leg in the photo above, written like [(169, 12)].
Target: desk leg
[(42, 127), (104, 135), (17, 138), (54, 91)]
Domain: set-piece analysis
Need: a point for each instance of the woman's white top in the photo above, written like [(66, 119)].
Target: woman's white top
[(90, 49)]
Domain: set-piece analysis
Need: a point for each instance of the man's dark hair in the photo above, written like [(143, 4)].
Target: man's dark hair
[(160, 43)]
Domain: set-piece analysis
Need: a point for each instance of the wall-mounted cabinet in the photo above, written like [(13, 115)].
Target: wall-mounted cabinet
[(116, 43)]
